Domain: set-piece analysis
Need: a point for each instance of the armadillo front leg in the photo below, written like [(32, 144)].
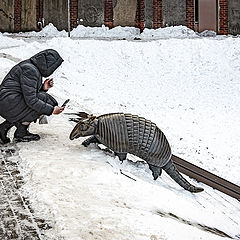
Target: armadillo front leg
[(90, 140), (122, 156)]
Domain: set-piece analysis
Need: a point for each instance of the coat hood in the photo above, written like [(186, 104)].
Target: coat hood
[(47, 61)]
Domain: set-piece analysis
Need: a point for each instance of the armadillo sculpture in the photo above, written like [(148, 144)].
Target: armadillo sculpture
[(127, 133)]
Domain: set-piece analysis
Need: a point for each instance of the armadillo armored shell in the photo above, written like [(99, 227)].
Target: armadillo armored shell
[(127, 133)]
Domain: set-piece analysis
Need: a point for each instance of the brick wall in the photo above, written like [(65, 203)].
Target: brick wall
[(190, 13), (108, 13), (39, 15), (73, 13), (140, 15), (157, 14), (17, 15), (223, 17)]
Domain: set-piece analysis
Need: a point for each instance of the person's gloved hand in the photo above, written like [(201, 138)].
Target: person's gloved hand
[(58, 110), (48, 83)]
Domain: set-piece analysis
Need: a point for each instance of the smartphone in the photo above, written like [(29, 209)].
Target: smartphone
[(65, 103)]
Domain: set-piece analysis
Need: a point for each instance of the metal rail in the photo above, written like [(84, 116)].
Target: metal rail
[(206, 177)]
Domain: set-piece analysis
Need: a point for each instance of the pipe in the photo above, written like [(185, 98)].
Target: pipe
[(69, 26)]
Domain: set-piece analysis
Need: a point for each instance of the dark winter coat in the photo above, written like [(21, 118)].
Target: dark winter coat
[(22, 97)]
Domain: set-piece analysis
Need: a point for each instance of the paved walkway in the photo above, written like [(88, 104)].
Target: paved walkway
[(17, 220)]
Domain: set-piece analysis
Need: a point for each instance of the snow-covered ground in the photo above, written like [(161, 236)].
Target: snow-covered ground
[(187, 84)]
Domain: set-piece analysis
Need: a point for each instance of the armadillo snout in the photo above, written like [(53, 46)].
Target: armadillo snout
[(75, 133)]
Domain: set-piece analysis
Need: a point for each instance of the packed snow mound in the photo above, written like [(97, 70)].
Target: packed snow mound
[(48, 31), (6, 42), (105, 32), (169, 32), (208, 33), (118, 32), (86, 32)]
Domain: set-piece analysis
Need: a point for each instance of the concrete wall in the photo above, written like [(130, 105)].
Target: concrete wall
[(173, 12), (28, 15), (6, 15), (148, 13), (56, 12), (124, 13), (234, 16), (21, 15), (91, 12)]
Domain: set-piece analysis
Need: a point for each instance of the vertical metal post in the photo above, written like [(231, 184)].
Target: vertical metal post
[(69, 26)]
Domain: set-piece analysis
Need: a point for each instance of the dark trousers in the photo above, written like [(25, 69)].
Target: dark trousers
[(33, 115)]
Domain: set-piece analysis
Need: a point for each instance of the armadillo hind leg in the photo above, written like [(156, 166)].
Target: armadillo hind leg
[(90, 140), (177, 177), (121, 156), (156, 171)]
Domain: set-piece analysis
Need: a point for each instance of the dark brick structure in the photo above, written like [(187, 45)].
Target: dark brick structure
[(190, 14), (17, 15), (157, 14), (39, 16), (223, 17), (108, 13), (73, 13), (140, 15)]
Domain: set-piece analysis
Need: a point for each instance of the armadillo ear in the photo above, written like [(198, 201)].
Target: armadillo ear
[(82, 114), (91, 117), (75, 119)]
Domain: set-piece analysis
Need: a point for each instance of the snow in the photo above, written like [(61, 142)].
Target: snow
[(8, 42), (186, 83), (118, 33)]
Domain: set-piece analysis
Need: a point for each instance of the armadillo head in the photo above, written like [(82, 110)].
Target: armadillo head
[(85, 127)]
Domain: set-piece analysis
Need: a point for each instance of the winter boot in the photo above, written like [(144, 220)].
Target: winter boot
[(23, 135), (4, 128)]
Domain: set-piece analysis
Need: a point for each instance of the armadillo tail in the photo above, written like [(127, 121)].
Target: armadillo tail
[(172, 171)]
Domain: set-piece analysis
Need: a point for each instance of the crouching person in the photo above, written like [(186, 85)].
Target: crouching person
[(24, 97)]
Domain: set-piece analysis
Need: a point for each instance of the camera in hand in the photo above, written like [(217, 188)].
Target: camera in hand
[(65, 103)]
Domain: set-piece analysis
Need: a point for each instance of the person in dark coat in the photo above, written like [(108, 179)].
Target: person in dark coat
[(24, 97)]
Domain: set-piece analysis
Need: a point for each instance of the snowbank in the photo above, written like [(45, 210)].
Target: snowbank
[(105, 32), (168, 32), (6, 42), (48, 31), (119, 32)]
